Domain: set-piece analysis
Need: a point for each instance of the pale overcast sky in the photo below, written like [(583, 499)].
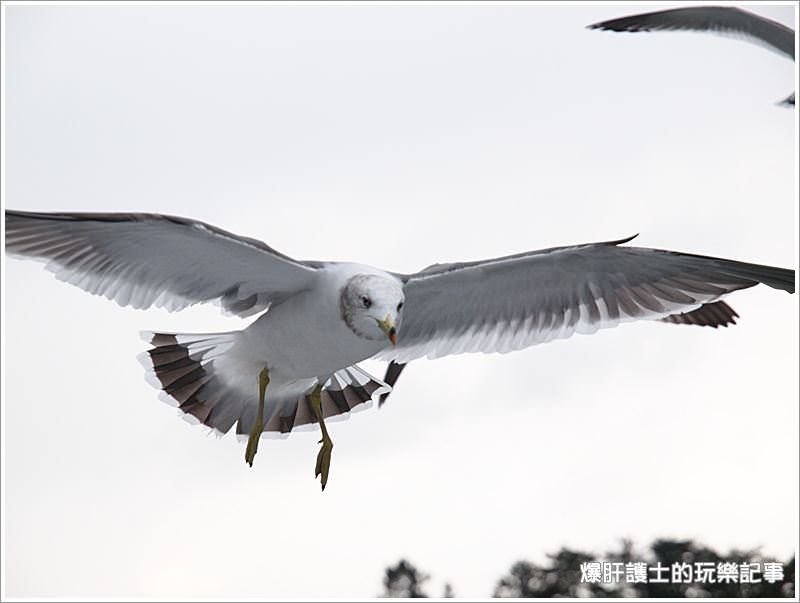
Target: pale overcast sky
[(397, 136)]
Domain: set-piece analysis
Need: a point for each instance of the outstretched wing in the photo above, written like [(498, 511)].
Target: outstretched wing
[(144, 260), (517, 301), (719, 19)]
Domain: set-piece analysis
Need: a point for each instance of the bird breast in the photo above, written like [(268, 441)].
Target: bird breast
[(305, 336)]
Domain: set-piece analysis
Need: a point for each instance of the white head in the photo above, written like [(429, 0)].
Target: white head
[(372, 306)]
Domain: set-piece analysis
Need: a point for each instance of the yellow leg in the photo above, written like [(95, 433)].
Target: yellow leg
[(324, 457), (258, 426)]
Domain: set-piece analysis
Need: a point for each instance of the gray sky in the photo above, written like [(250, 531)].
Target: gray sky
[(396, 136)]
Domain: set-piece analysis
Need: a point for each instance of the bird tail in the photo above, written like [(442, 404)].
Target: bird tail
[(183, 367), (213, 381)]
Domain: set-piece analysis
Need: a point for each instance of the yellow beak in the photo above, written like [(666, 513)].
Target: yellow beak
[(387, 326)]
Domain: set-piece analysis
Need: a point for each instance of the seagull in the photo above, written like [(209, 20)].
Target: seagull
[(297, 363), (717, 19)]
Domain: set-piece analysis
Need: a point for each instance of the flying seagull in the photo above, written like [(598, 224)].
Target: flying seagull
[(716, 19), (297, 363)]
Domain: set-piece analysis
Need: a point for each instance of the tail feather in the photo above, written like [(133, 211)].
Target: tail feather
[(182, 366), (348, 390), (714, 314), (393, 372), (207, 381)]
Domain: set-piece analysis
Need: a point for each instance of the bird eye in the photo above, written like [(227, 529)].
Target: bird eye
[(400, 305), (365, 301)]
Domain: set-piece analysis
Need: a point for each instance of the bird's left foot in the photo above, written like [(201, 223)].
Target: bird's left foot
[(323, 466)]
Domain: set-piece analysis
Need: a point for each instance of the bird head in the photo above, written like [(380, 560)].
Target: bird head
[(372, 306)]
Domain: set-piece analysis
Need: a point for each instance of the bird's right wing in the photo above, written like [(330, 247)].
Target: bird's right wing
[(513, 302), (718, 19), (143, 260)]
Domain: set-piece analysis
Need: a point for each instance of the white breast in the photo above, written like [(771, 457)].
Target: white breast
[(305, 336)]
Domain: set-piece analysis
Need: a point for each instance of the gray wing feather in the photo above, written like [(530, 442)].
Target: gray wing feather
[(719, 19), (143, 260), (510, 303)]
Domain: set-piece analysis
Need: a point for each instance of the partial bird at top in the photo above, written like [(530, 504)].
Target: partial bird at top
[(716, 19)]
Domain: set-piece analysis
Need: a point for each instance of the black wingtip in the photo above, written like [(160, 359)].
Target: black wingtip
[(604, 26), (618, 25), (621, 241)]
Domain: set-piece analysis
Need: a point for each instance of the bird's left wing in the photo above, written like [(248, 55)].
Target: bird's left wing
[(517, 301), (150, 259)]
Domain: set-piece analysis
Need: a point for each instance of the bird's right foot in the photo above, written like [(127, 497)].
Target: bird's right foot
[(258, 426)]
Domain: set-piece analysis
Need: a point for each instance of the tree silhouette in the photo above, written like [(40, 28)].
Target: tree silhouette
[(562, 575), (404, 581)]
